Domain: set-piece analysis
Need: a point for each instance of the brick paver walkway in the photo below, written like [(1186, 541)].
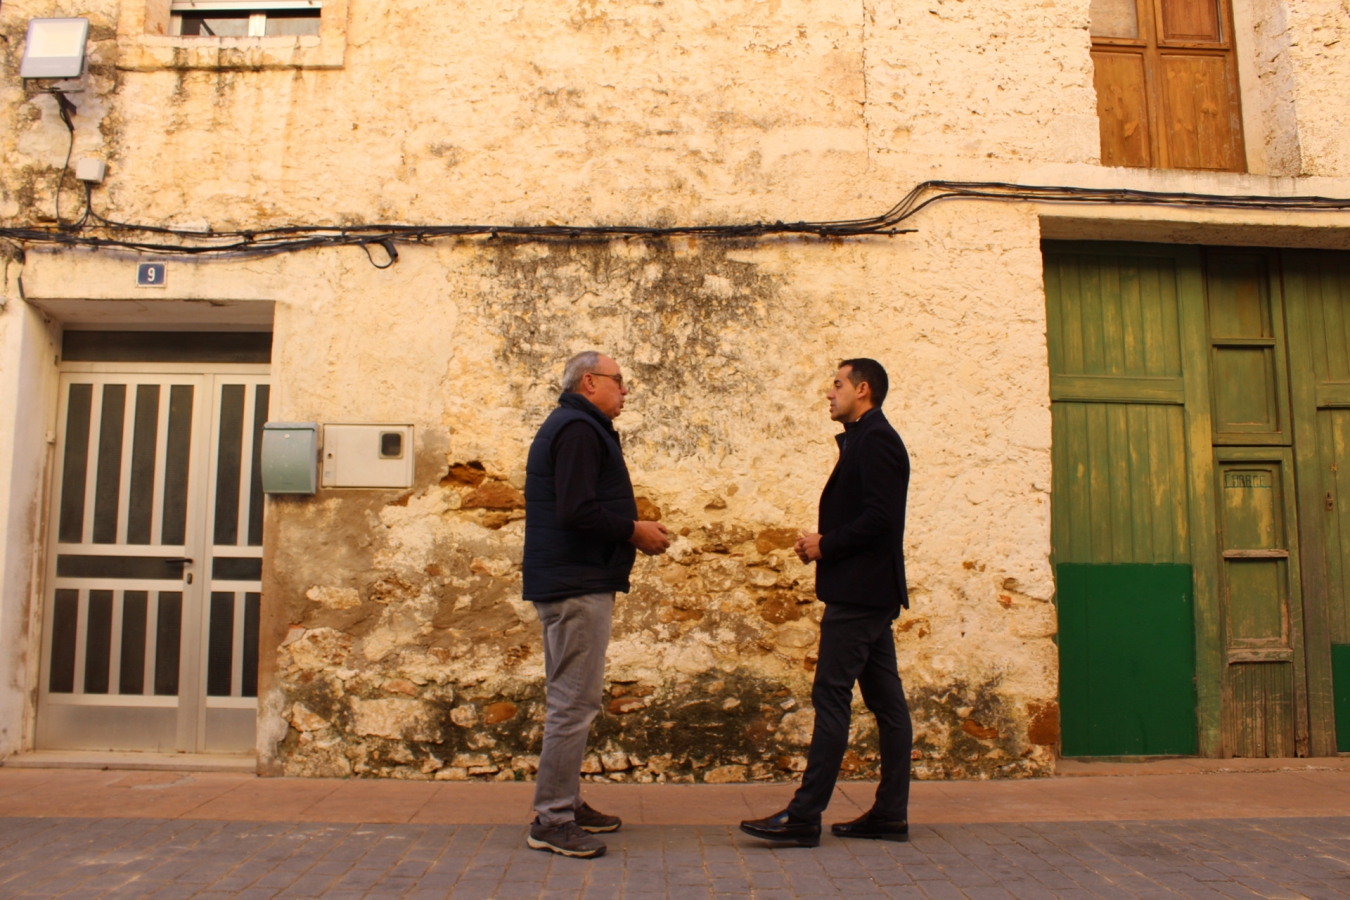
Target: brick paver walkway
[(179, 858)]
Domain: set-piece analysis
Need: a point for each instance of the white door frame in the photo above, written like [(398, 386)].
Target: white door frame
[(191, 705)]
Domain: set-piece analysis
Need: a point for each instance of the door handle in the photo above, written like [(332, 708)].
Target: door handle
[(180, 561)]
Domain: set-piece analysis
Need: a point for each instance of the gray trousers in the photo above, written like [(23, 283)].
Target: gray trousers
[(576, 636)]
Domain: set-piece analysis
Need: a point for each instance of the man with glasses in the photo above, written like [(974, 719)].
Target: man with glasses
[(581, 537)]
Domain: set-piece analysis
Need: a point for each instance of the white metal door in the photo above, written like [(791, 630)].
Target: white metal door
[(228, 663), (155, 559)]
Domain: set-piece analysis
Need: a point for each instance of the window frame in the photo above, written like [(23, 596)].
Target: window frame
[(257, 10), (1152, 48), (145, 44)]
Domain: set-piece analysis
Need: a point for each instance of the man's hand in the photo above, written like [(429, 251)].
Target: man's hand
[(650, 537), (808, 547)]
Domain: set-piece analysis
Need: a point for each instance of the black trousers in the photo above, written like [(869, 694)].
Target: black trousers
[(857, 645)]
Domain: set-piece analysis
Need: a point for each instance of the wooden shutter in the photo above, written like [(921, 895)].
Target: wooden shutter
[(1166, 80)]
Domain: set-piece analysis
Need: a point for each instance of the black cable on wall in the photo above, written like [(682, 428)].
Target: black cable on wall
[(98, 232)]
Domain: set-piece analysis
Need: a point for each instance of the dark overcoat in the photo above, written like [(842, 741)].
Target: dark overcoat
[(862, 518)]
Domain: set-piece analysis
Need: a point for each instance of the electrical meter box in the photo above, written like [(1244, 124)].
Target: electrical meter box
[(290, 457), (367, 456)]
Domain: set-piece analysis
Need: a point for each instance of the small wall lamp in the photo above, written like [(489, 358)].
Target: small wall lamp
[(54, 48)]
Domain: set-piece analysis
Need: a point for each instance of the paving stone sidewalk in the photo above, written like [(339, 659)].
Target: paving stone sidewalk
[(134, 858)]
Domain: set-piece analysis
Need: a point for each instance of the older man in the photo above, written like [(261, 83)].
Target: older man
[(581, 537), (860, 576)]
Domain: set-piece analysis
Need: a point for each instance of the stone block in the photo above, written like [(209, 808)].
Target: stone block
[(302, 719), (494, 495), (320, 648), (496, 713), (725, 775), (408, 720), (331, 597)]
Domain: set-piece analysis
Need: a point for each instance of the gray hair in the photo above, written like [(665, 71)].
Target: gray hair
[(583, 363)]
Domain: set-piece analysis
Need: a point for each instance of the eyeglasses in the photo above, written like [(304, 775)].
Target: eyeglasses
[(618, 379)]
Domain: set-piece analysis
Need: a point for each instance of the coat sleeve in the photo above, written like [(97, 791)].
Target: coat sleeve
[(885, 474)]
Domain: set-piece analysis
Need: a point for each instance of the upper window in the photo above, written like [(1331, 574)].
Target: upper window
[(240, 18), (1167, 84)]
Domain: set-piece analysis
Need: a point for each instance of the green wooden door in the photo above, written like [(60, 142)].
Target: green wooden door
[(1200, 405), (1260, 590), (1317, 287), (1122, 516), (1259, 587)]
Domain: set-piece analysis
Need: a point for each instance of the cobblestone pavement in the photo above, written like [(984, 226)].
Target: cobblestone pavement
[(125, 858)]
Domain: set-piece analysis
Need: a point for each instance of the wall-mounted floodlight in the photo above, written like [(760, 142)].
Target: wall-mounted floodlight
[(54, 49)]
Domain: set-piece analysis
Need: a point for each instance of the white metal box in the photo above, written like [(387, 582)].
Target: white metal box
[(367, 456)]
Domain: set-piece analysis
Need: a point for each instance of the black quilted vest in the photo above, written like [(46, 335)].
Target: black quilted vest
[(564, 562)]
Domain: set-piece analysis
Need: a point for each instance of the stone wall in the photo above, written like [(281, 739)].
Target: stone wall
[(405, 647)]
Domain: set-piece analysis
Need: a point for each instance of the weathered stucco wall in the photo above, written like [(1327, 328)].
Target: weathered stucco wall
[(972, 90), (592, 111), (13, 608), (28, 345), (1269, 118), (609, 112), (1319, 54), (395, 640), (407, 648)]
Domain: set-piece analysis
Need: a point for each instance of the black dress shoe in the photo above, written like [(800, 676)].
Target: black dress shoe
[(869, 826), (782, 828)]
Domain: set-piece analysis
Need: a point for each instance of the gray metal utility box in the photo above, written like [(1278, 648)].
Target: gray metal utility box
[(290, 457)]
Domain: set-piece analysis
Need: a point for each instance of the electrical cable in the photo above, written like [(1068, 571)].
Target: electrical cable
[(97, 231), (66, 110)]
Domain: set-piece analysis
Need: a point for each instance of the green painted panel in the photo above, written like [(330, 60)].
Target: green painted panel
[(1340, 668), (1255, 600), (1325, 278), (1245, 390), (1127, 659), (1334, 434), (1247, 336), (1252, 505), (1119, 492), (1112, 314), (1239, 304)]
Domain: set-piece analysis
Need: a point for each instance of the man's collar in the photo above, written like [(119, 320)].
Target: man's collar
[(574, 400), (849, 426)]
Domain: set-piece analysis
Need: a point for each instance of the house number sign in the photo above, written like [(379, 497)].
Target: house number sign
[(150, 275)]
